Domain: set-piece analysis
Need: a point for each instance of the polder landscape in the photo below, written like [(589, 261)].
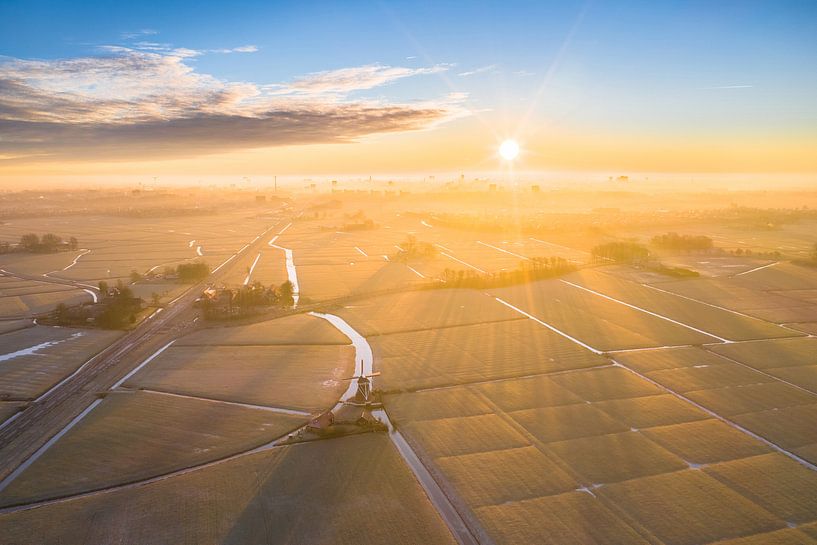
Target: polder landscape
[(408, 272), (559, 366)]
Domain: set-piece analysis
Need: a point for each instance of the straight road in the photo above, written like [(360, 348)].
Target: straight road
[(43, 418)]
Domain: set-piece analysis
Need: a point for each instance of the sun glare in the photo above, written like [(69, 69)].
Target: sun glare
[(509, 149)]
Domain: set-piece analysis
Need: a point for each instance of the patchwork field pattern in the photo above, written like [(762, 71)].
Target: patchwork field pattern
[(134, 436), (36, 358), (230, 503), (297, 362)]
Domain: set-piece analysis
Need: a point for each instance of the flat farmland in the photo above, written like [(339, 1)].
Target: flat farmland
[(782, 277), (463, 435), (706, 441), (615, 457), (31, 304), (36, 358), (434, 404), (804, 376), (603, 324), (459, 355), (701, 377), (774, 481), (773, 353), (689, 508), (423, 309), (714, 266), (548, 424), (329, 281), (134, 436), (308, 378), (121, 245), (515, 474), (651, 411), (605, 384), (573, 517), (14, 325), (786, 536), (265, 498), (730, 293), (806, 327), (526, 393), (790, 427), (295, 329), (706, 318), (270, 268), (734, 400), (9, 409), (648, 361)]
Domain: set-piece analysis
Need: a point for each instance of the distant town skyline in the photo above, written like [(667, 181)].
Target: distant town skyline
[(316, 88)]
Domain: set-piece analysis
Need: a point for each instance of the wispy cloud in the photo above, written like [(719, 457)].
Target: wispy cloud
[(241, 49), (138, 33), (728, 87), (524, 73), (346, 80), (480, 70), (137, 101)]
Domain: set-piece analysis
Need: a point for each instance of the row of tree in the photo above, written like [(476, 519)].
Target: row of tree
[(621, 252), (48, 243), (537, 268), (411, 248), (117, 308), (247, 300), (674, 241)]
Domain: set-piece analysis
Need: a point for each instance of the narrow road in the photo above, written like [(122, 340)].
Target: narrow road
[(46, 416)]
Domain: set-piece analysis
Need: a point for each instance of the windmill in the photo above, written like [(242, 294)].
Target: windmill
[(364, 388)]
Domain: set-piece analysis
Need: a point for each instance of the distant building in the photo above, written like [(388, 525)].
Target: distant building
[(535, 188)]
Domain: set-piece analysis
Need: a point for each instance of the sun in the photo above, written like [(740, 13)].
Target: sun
[(509, 150)]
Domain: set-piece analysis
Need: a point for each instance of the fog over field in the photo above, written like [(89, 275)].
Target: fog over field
[(537, 362)]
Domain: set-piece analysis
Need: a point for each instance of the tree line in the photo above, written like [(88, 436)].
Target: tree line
[(536, 268), (32, 242)]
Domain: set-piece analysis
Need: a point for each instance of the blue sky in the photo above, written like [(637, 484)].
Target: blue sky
[(722, 67)]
